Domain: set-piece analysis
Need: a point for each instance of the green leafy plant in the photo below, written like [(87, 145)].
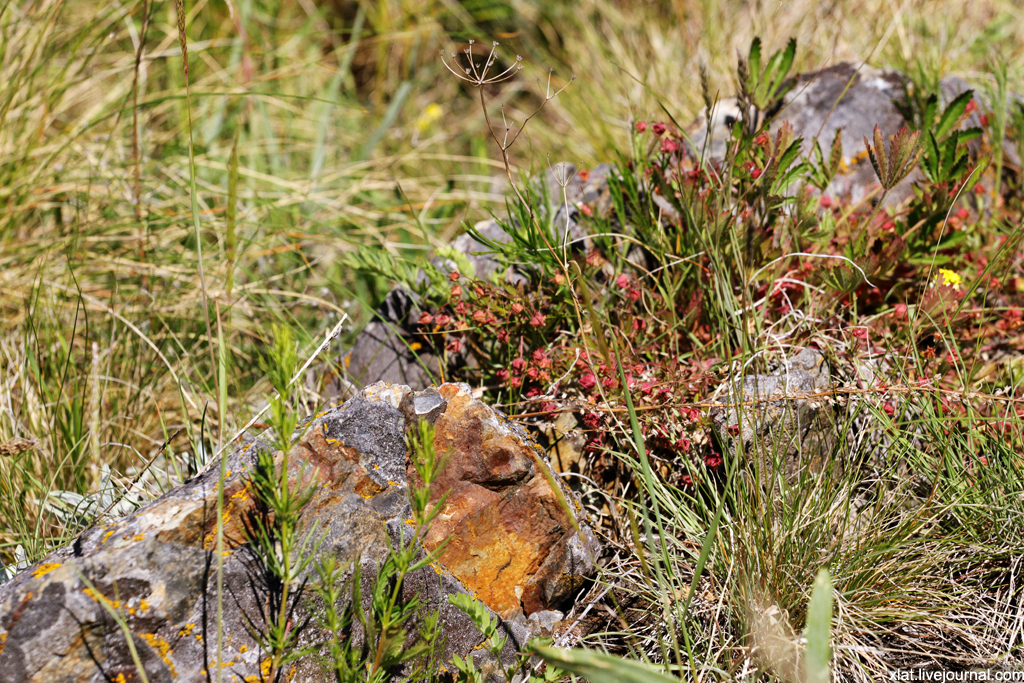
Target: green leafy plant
[(283, 548), (494, 645), (821, 171), (903, 156), (943, 159), (759, 87), (385, 625)]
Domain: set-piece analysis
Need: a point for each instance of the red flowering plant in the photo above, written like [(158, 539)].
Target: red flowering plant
[(675, 261)]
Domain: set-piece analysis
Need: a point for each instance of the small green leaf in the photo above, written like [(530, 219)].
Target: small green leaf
[(930, 107), (819, 630), (755, 58), (969, 134), (787, 59), (790, 155), (953, 240), (836, 157), (952, 113)]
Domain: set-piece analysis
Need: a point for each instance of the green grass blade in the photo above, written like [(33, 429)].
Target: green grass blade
[(598, 667), (389, 119), (231, 218), (819, 630)]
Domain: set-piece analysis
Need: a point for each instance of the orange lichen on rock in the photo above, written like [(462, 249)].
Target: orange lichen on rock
[(503, 519)]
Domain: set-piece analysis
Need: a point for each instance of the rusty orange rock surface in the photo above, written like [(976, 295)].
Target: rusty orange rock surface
[(504, 520)]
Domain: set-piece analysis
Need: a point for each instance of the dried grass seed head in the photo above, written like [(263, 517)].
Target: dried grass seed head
[(476, 74)]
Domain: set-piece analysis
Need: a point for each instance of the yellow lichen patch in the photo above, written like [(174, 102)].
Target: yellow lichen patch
[(187, 631), (162, 648), (98, 597), (107, 535), (3, 641), (224, 665), (243, 649), (138, 537), (119, 678), (45, 568), (209, 541), (845, 166)]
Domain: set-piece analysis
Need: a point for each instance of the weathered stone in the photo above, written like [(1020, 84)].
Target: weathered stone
[(546, 621), (158, 569), (839, 97), (510, 540), (383, 352), (784, 419)]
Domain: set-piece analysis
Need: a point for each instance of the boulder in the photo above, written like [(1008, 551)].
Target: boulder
[(511, 542), (839, 97), (783, 419)]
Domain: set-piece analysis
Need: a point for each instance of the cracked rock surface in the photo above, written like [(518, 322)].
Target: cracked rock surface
[(511, 543)]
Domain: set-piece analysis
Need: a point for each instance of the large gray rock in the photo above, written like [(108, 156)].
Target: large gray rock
[(157, 567), (839, 97), (783, 419)]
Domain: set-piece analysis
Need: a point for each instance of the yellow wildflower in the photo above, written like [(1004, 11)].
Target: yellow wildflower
[(949, 277), (430, 114)]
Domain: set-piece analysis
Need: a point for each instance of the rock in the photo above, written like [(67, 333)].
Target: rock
[(546, 621), (511, 543), (382, 352), (781, 418), (565, 442), (867, 102), (840, 96)]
